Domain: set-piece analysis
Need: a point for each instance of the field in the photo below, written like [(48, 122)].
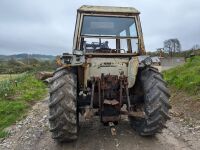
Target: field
[(17, 93), (185, 77), (8, 76)]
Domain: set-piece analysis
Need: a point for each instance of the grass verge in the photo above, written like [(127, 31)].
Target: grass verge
[(8, 76), (16, 96), (185, 77)]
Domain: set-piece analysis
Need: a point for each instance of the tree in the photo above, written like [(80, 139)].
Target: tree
[(196, 47), (172, 46)]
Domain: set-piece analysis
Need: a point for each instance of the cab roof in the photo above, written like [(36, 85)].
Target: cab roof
[(108, 9)]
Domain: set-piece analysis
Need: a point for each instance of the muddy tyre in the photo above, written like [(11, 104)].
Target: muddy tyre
[(63, 116), (155, 103)]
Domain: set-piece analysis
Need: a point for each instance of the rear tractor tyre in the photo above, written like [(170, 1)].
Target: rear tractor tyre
[(155, 103), (63, 116)]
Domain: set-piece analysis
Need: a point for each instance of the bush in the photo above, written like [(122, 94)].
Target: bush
[(24, 65)]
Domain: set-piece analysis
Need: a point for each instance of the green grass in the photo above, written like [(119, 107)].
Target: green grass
[(185, 77), (9, 76), (16, 95)]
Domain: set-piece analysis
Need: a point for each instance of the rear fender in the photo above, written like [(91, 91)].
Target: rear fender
[(132, 71)]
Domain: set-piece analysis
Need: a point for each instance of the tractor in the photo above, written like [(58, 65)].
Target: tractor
[(108, 75)]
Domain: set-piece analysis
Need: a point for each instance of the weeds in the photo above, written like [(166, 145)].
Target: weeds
[(185, 77), (15, 97)]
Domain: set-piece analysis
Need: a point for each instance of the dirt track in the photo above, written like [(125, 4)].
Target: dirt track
[(32, 134)]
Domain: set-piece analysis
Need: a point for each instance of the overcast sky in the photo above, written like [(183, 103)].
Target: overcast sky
[(47, 26)]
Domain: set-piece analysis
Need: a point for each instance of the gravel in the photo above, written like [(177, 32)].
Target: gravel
[(32, 133)]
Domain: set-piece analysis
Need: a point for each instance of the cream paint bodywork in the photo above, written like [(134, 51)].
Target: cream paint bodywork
[(108, 9), (132, 71), (114, 66)]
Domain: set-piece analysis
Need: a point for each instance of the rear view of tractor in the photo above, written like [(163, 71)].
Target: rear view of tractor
[(107, 75)]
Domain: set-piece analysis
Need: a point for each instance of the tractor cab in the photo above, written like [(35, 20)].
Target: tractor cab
[(101, 29)]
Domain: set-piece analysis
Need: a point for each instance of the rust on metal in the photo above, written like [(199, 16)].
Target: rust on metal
[(59, 61), (111, 118)]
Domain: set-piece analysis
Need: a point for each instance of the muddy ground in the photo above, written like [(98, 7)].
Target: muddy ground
[(32, 133)]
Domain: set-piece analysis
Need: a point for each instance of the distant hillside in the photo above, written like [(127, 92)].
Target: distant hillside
[(23, 62), (25, 56)]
